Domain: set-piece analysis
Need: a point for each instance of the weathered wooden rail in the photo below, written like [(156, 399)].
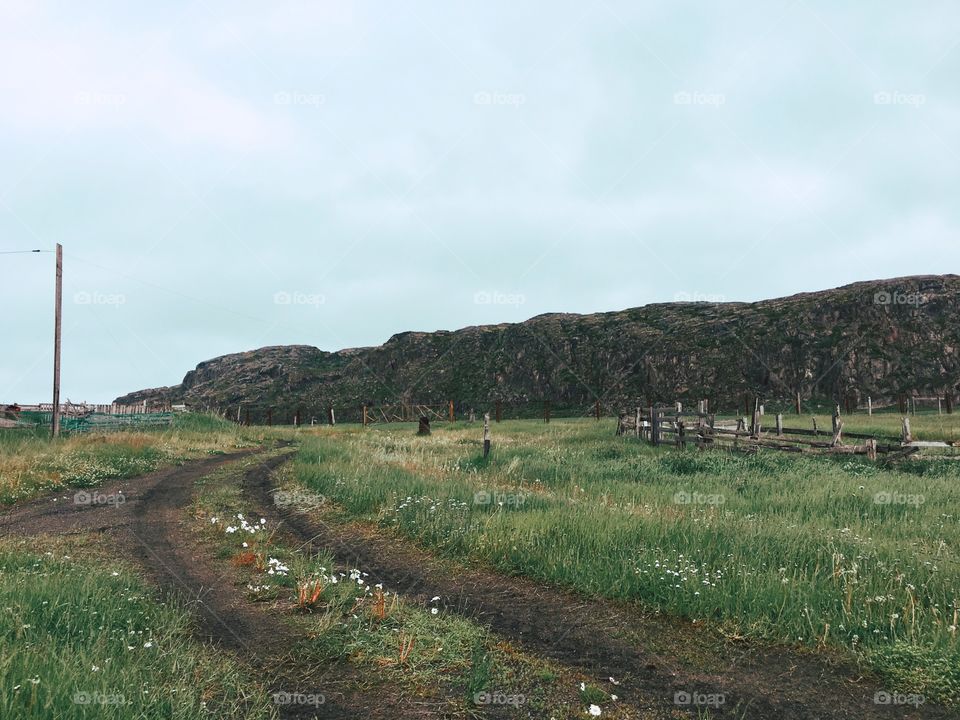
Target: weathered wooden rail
[(675, 426)]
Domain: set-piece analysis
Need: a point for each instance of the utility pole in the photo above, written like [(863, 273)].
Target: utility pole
[(55, 419)]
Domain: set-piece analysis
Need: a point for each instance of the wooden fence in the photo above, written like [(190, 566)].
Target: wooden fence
[(675, 426)]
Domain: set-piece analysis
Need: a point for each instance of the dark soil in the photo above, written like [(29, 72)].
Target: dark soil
[(649, 655), (152, 527)]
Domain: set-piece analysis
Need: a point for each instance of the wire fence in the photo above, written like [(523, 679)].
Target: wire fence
[(93, 422)]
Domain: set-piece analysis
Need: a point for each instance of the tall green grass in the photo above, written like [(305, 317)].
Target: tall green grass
[(787, 548), (82, 640)]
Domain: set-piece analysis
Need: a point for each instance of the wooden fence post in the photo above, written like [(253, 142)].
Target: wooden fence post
[(269, 416), (499, 410), (837, 431), (452, 417), (654, 426), (905, 435), (871, 449), (424, 427), (798, 402), (596, 409), (637, 428), (755, 424), (546, 411), (869, 406), (816, 430), (364, 410), (780, 425), (949, 399), (486, 434)]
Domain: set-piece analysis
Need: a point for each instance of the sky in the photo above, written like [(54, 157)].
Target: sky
[(230, 175)]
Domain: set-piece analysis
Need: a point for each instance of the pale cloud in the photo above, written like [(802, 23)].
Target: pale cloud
[(90, 79), (208, 155)]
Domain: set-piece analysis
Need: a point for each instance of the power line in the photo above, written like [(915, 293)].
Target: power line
[(20, 252)]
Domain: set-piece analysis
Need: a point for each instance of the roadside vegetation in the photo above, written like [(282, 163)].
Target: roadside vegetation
[(83, 636), (810, 552), (32, 463), (349, 619)]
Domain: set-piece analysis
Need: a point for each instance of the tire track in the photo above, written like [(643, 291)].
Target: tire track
[(757, 682), (151, 526)]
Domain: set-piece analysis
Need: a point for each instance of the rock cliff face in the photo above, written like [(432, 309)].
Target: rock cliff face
[(880, 338)]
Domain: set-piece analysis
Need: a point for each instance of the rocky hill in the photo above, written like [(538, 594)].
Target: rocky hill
[(879, 338)]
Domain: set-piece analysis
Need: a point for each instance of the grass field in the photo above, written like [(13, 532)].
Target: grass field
[(797, 550), (815, 553), (31, 463), (83, 637), (347, 619)]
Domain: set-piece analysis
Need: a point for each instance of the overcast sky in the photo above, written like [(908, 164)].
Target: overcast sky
[(226, 175)]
